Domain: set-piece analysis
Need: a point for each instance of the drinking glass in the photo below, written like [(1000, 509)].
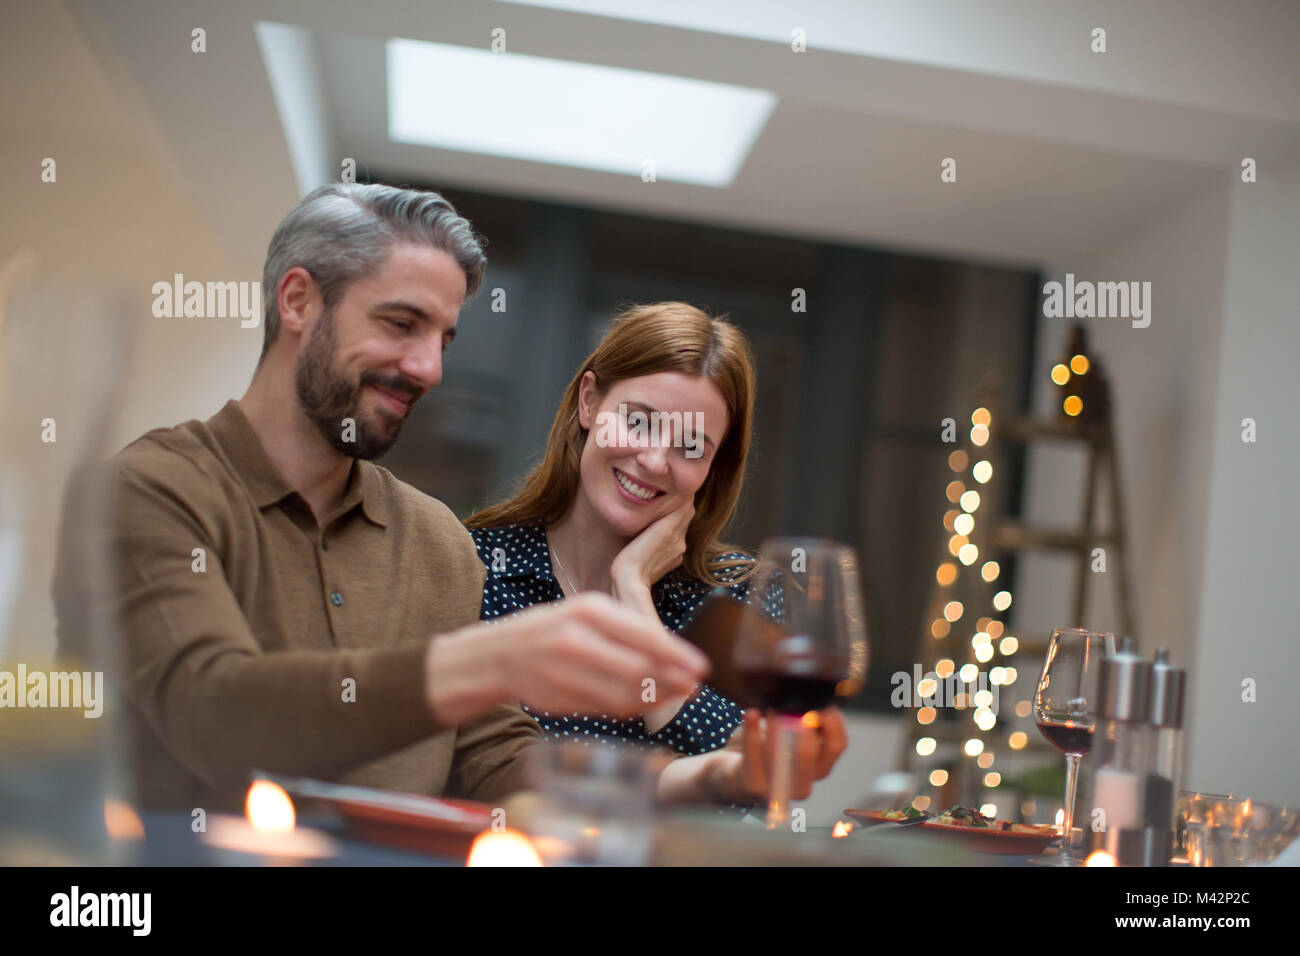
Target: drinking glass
[(597, 804), (804, 643), (1065, 710), (1223, 830)]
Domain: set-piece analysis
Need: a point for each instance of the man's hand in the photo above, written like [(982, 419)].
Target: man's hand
[(586, 655)]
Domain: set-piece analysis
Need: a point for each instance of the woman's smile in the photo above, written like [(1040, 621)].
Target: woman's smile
[(633, 490)]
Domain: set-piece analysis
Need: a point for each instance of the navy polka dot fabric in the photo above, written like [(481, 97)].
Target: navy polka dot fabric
[(519, 575)]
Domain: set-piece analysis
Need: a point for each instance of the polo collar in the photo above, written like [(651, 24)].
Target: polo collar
[(265, 484)]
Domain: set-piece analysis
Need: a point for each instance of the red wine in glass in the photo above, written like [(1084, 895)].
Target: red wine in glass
[(1065, 705), (790, 694), (805, 636), (1068, 736)]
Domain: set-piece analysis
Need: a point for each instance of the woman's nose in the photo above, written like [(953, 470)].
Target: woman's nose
[(654, 458)]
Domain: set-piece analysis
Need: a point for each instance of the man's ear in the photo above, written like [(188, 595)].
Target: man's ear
[(587, 399), (298, 299)]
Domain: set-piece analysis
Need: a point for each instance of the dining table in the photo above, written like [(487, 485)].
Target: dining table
[(690, 838)]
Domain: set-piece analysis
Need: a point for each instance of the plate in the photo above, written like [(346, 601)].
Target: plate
[(423, 829), (980, 839), (406, 821)]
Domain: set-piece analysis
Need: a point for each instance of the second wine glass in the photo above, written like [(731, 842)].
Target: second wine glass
[(1065, 710)]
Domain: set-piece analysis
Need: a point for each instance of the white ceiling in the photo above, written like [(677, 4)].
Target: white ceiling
[(1059, 150)]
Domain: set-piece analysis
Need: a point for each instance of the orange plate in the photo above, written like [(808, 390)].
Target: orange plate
[(980, 839), (439, 828)]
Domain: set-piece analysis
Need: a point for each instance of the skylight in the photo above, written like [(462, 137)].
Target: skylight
[(572, 114)]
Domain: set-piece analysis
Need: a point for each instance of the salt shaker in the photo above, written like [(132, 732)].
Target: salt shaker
[(1122, 751)]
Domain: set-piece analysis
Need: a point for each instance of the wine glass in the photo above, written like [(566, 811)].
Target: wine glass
[(1065, 710), (802, 642)]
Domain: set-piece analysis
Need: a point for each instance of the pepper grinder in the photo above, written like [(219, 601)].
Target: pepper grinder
[(1164, 777)]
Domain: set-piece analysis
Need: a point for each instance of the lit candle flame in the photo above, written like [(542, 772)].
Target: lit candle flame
[(503, 848), (269, 808)]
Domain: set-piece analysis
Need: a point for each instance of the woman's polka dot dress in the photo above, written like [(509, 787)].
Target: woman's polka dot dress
[(519, 575)]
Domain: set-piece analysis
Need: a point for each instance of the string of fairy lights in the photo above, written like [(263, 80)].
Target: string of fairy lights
[(971, 473), (989, 641), (1078, 367)]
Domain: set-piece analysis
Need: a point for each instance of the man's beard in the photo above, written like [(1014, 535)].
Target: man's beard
[(332, 402)]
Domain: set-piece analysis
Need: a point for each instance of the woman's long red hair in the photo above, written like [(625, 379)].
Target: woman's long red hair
[(645, 340)]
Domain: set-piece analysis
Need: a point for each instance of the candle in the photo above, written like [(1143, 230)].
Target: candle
[(237, 835), (504, 848), (1118, 794), (269, 830)]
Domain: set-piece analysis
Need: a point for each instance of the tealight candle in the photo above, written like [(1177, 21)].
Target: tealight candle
[(237, 835), (269, 830)]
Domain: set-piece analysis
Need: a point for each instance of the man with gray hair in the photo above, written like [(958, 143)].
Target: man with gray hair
[(290, 606)]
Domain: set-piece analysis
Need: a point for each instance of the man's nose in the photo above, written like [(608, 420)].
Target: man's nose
[(422, 363)]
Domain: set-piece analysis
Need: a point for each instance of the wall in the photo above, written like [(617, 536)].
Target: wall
[(1162, 380), (1248, 625)]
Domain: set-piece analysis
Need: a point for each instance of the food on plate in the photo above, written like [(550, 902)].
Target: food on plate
[(968, 817), (963, 817), (911, 813)]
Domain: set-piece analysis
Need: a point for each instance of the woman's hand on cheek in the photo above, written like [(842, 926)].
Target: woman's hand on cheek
[(655, 551)]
